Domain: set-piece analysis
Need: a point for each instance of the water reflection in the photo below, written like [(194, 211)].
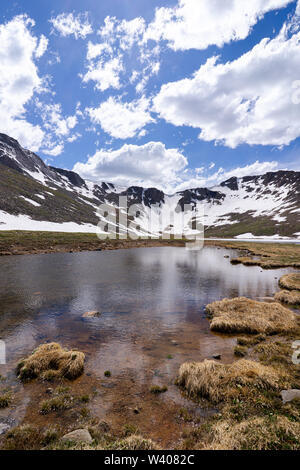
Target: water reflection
[(146, 296)]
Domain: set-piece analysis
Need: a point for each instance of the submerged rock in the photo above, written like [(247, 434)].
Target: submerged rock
[(78, 436), (289, 395), (93, 314)]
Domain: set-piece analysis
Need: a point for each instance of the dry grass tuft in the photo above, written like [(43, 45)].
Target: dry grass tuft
[(242, 315), (50, 361), (134, 442), (290, 282), (218, 382), (5, 400), (246, 261), (255, 434), (290, 297)]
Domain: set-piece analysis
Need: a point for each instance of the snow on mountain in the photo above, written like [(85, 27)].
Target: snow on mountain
[(34, 196)]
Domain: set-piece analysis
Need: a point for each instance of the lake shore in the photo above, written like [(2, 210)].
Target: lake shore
[(267, 255)]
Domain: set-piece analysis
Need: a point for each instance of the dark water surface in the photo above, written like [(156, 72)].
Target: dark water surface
[(152, 302)]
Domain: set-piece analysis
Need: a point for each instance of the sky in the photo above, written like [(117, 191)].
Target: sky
[(170, 94)]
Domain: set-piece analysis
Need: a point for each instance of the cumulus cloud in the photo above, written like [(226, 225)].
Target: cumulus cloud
[(121, 120), (249, 100), (106, 59), (149, 165), (19, 80), (67, 24), (59, 127), (154, 165), (198, 24), (105, 73)]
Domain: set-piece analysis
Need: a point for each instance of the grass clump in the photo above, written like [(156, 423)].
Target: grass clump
[(27, 437), (261, 433), (57, 403), (246, 261), (240, 351), (50, 361), (290, 282), (5, 400), (250, 340), (220, 382), (290, 297), (156, 389), (107, 373), (242, 315), (134, 442)]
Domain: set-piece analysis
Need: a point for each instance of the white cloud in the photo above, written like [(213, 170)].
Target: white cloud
[(149, 165), (126, 32), (106, 74), (69, 23), (154, 165), (121, 120), (19, 80), (58, 127), (54, 151), (42, 47), (197, 24), (248, 100)]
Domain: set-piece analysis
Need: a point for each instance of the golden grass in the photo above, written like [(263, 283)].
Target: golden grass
[(272, 255), (134, 442), (242, 315), (246, 261), (290, 282), (255, 434), (290, 297), (51, 361), (219, 382)]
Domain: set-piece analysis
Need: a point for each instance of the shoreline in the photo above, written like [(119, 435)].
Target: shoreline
[(33, 242)]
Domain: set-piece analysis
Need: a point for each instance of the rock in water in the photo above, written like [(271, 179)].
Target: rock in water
[(93, 314)]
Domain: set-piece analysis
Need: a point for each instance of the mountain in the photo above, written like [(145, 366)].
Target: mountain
[(34, 196)]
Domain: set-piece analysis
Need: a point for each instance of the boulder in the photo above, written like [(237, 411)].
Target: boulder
[(289, 395), (78, 436)]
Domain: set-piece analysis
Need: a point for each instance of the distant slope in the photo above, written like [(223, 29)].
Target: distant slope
[(34, 196)]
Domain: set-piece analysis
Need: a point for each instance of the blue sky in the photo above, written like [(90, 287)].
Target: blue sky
[(172, 94)]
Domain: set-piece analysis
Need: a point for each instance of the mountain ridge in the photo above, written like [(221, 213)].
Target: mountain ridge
[(33, 194)]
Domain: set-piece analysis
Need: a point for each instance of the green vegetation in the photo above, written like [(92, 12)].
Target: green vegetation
[(5, 399), (156, 389), (107, 373)]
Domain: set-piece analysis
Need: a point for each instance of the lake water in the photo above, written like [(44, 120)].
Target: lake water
[(153, 319)]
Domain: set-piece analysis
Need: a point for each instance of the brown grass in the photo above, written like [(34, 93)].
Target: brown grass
[(51, 361), (134, 442), (255, 434), (5, 399), (290, 282), (272, 255), (219, 382), (246, 261), (290, 297), (242, 315)]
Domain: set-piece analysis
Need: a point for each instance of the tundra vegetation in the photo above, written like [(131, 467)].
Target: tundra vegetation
[(51, 361), (247, 393), (242, 315), (252, 414)]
